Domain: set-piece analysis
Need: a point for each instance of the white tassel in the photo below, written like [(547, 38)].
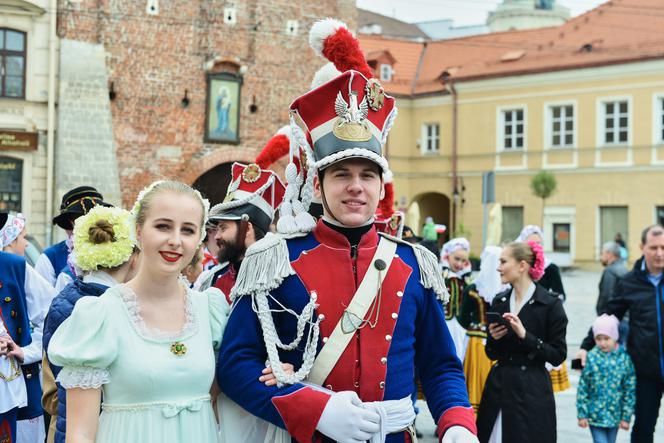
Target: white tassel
[(325, 74), (265, 265), (430, 276), (305, 222), (286, 224)]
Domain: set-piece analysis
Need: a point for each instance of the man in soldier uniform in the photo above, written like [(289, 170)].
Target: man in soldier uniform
[(241, 220), (355, 312)]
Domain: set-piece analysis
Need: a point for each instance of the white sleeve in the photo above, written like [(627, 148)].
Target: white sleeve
[(63, 280), (45, 269), (38, 296)]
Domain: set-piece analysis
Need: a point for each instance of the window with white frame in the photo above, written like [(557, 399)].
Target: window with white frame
[(385, 73), (430, 137), (616, 122), (562, 126), (513, 129)]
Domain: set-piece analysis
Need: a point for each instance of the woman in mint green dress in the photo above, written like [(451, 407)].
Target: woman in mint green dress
[(149, 345)]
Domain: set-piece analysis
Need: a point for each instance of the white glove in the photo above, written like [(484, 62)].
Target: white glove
[(345, 420), (459, 434)]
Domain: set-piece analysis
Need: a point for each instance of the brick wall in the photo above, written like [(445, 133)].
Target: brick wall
[(152, 59)]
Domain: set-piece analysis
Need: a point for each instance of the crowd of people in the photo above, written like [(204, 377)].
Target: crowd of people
[(305, 311)]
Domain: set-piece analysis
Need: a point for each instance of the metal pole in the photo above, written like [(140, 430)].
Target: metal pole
[(485, 224)]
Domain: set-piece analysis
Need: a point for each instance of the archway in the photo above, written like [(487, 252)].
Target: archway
[(429, 204), (213, 183)]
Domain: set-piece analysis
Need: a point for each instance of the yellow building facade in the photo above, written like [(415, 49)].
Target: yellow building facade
[(598, 130)]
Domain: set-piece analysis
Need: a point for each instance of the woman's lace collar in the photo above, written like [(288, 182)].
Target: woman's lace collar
[(134, 310)]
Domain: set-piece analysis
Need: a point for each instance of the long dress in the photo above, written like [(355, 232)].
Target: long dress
[(156, 385), (456, 282), (476, 364)]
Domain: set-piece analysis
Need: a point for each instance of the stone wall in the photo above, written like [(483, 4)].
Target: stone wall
[(85, 149)]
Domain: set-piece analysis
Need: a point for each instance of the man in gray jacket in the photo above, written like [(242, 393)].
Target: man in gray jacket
[(614, 270)]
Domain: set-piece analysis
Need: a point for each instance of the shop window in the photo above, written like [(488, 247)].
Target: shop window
[(11, 179)]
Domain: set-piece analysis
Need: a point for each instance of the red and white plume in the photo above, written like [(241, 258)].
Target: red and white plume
[(331, 39), (276, 148), (386, 204)]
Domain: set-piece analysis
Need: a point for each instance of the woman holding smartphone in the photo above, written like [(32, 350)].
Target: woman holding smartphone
[(517, 403)]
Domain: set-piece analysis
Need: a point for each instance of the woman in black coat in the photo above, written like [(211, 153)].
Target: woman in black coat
[(517, 403)]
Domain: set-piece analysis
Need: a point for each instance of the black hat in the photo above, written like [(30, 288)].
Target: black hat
[(76, 203), (3, 219)]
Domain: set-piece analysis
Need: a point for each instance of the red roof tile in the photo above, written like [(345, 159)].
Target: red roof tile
[(618, 31)]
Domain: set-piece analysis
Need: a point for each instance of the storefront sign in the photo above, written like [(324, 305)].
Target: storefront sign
[(18, 141)]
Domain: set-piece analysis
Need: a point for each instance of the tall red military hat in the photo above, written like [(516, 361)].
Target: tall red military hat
[(253, 192), (350, 115)]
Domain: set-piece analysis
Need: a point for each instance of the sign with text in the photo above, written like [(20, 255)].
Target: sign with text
[(18, 141)]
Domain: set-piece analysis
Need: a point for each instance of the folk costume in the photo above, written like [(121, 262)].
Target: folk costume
[(75, 203), (155, 384), (552, 282), (456, 283), (352, 310), (24, 299), (89, 257), (253, 196), (476, 303)]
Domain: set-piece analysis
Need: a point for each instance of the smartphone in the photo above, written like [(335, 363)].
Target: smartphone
[(496, 317), (576, 364)]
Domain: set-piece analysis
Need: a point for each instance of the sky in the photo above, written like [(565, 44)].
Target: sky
[(463, 12)]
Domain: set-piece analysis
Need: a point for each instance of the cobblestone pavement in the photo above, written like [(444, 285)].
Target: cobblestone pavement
[(581, 287)]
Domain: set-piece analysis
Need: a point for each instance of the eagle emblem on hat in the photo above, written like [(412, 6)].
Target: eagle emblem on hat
[(352, 122)]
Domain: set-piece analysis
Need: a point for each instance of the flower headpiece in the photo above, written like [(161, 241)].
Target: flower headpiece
[(141, 195), (537, 269), (90, 256), (13, 227)]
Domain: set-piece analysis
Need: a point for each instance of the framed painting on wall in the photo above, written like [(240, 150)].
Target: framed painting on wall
[(222, 116)]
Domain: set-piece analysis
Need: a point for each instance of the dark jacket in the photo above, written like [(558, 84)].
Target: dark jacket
[(636, 294), (607, 284), (552, 281), (519, 384), (60, 310)]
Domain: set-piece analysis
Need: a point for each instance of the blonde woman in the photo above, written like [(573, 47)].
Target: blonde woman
[(149, 345), (105, 252)]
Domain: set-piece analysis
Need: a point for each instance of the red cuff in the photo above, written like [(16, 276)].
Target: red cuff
[(301, 411), (456, 416)]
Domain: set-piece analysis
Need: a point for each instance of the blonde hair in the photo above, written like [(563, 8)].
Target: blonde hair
[(101, 232), (145, 198), (521, 252)]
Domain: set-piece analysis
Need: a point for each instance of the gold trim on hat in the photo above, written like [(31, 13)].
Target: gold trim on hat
[(352, 132)]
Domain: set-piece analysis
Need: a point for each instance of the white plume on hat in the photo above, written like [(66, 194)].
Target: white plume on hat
[(321, 30)]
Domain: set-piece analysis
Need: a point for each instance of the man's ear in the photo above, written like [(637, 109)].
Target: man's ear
[(250, 236), (382, 190), (317, 187)]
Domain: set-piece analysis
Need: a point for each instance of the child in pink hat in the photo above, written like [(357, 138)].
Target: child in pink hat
[(606, 393)]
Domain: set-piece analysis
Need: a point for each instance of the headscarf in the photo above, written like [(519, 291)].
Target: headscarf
[(450, 248), (488, 282), (12, 229), (527, 231)]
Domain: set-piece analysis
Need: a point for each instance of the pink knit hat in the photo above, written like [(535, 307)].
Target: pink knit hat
[(606, 325)]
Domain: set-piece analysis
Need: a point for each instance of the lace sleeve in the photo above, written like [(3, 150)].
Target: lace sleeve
[(84, 377)]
